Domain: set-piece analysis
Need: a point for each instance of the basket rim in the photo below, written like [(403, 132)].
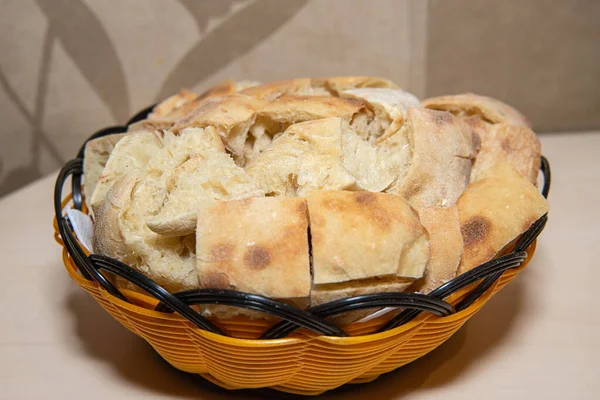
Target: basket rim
[(72, 270), (452, 301)]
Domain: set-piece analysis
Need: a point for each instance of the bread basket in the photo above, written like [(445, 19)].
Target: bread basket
[(303, 352)]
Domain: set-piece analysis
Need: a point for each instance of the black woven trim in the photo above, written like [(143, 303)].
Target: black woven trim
[(296, 316), (293, 318), (413, 301), (75, 251), (471, 277)]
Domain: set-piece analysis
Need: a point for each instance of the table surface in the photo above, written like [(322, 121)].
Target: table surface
[(537, 339)]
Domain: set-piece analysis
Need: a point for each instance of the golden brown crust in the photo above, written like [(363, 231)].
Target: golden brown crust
[(108, 238), (517, 145), (295, 108), (97, 152), (388, 105), (495, 210), (257, 245), (487, 108), (339, 141), (232, 116), (165, 107), (446, 243), (273, 90), (441, 159), (220, 89), (358, 235), (339, 83)]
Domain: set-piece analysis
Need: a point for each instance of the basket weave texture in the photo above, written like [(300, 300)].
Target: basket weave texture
[(303, 363)]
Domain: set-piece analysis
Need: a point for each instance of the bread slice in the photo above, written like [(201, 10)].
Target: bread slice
[(275, 117), (338, 84), (273, 90), (232, 116), (316, 86), (495, 210), (440, 160), (203, 179), (132, 154), (108, 237), (168, 112), (514, 144), (96, 153), (323, 154), (358, 236), (389, 107), (166, 106), (141, 163), (129, 157), (486, 108), (325, 293), (118, 233), (256, 245), (504, 133), (306, 157), (446, 243)]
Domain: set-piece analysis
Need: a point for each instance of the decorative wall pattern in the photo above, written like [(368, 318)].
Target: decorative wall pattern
[(70, 67)]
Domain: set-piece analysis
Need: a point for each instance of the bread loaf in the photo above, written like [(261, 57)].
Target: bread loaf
[(362, 240), (503, 132), (313, 189), (140, 165), (495, 210), (440, 162), (446, 246), (256, 245)]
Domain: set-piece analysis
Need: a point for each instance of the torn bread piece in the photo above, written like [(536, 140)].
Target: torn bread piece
[(165, 107), (440, 159), (389, 107), (315, 86), (170, 262), (108, 237), (514, 144), (256, 245), (232, 116), (323, 154), (170, 111), (495, 210), (275, 117), (470, 104), (273, 90), (364, 242), (96, 153), (203, 179), (144, 161), (338, 84), (131, 155), (308, 156), (446, 244)]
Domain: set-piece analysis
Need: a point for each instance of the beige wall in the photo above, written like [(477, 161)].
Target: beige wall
[(70, 67)]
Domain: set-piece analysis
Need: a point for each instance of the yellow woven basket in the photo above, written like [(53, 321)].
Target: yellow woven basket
[(303, 363)]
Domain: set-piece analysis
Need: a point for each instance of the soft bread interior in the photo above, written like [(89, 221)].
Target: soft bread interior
[(96, 154), (365, 155), (204, 178), (324, 293), (143, 161)]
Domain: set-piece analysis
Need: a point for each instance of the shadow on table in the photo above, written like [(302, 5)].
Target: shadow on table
[(135, 361)]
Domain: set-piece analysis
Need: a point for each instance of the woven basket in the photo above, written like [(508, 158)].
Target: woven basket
[(304, 362)]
